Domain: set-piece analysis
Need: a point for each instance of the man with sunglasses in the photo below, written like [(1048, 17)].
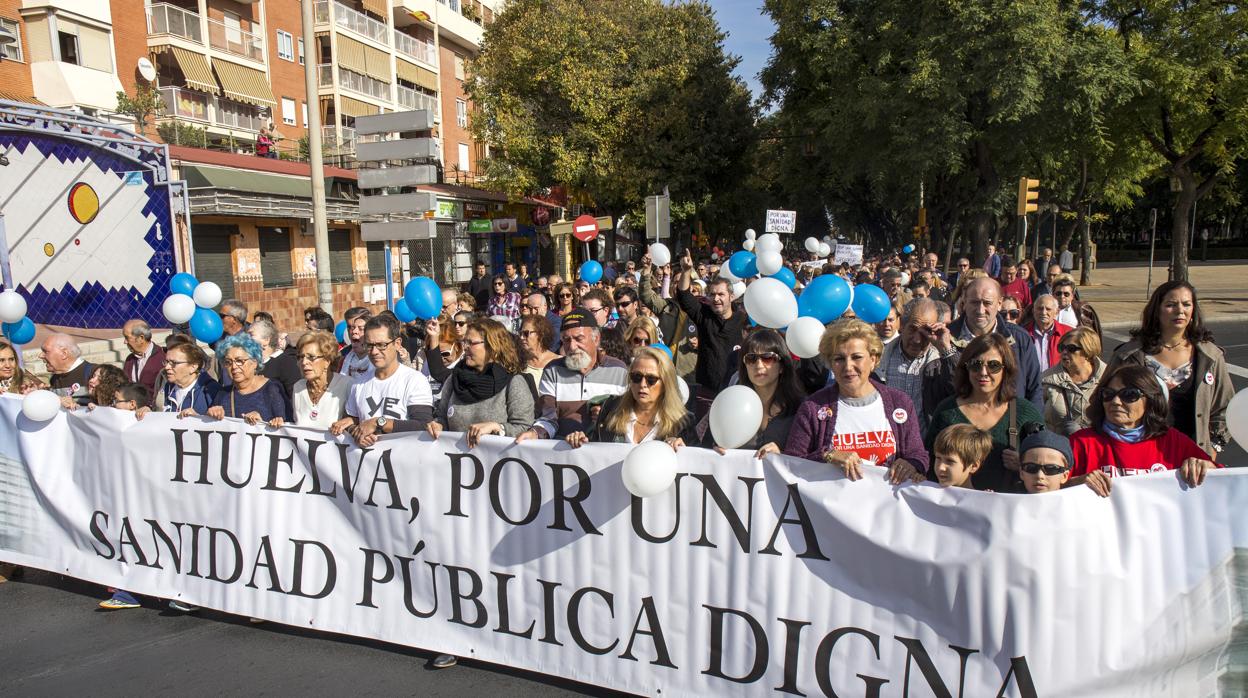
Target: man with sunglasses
[(394, 398), (1045, 331), (1067, 301), (719, 331), (964, 265), (1045, 459)]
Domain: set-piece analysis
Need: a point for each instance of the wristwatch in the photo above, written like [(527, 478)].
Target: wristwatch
[(382, 421)]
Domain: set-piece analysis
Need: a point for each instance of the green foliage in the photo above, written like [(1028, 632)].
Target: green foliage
[(145, 104), (614, 99), (177, 132)]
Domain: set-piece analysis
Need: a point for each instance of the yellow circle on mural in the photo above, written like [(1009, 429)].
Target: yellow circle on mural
[(84, 203), (48, 249)]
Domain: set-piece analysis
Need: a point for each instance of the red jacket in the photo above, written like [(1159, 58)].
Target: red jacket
[(1096, 451), (1059, 330)]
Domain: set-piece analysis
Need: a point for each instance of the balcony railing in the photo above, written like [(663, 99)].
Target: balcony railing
[(363, 84), (235, 41), (422, 51), (163, 18), (205, 108), (413, 99), (331, 143), (360, 23)]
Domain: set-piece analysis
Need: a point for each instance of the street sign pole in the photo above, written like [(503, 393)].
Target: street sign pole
[(1152, 248)]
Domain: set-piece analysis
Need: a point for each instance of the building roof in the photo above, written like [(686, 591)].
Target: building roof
[(203, 156), (459, 191)]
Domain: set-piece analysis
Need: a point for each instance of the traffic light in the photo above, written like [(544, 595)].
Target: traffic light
[(1028, 195)]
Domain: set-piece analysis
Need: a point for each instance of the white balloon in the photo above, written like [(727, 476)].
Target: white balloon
[(207, 294), (738, 289), (769, 263), (748, 245), (825, 250), (770, 303), (659, 254), (736, 415), (1237, 418), (770, 243), (12, 306), (179, 308), (650, 468), (812, 244), (750, 234), (41, 405), (803, 337), (905, 278)]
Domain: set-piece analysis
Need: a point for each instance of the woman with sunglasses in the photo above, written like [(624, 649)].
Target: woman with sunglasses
[(1070, 386), (1129, 434), (566, 299), (504, 302), (641, 332), (1011, 309), (320, 397), (487, 392), (985, 387), (1173, 342), (766, 366), (858, 420), (650, 410)]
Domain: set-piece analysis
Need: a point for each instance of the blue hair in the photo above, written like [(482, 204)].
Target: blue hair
[(243, 341)]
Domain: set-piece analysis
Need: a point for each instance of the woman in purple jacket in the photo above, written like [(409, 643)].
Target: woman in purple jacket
[(858, 420)]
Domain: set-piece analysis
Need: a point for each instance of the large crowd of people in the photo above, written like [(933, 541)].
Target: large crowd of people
[(988, 377)]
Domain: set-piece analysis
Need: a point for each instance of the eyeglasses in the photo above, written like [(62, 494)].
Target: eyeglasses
[(377, 346), (639, 377), (230, 363), (640, 341), (623, 304), (473, 342), (171, 363), (766, 358), (565, 295), (461, 323), (1127, 395), (1013, 314), (595, 310), (1063, 294), (978, 365), (1068, 349), (310, 357), (1033, 468)]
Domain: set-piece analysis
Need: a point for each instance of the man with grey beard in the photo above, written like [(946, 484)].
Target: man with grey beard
[(569, 384)]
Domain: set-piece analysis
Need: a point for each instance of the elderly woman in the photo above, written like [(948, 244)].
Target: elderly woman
[(186, 388), (858, 420), (1129, 434), (985, 388), (14, 379), (641, 332), (766, 366), (487, 392), (650, 410), (249, 396), (1069, 386), (1175, 345), (535, 335), (320, 397)]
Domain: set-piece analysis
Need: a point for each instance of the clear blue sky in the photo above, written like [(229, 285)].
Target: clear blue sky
[(749, 32)]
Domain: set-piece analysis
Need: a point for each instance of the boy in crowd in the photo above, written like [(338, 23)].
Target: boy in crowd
[(129, 397), (1044, 462), (960, 450)]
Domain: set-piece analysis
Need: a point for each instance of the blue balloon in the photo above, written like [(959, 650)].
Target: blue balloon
[(591, 272), (403, 311), (423, 297), (908, 249), (871, 304), (206, 325), (183, 283), (786, 275), (825, 298), (663, 348), (19, 332), (340, 331), (743, 264)]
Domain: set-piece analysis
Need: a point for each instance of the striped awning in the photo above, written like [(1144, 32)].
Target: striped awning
[(244, 84), (363, 59), (355, 107), (19, 97), (195, 69), (417, 75), (377, 7)]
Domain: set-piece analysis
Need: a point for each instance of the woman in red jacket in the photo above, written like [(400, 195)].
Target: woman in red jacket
[(1129, 434)]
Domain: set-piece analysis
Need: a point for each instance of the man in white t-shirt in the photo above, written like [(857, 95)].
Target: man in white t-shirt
[(394, 398), (356, 364)]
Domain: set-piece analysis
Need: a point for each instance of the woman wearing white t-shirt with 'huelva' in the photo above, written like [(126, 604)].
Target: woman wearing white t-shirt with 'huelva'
[(395, 398)]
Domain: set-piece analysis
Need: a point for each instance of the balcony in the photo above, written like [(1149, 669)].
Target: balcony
[(414, 99), (449, 15), (204, 108), (423, 51), (234, 40), (331, 144), (350, 80), (169, 20), (354, 20)]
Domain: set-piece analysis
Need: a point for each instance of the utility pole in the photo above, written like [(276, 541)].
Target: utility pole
[(320, 227)]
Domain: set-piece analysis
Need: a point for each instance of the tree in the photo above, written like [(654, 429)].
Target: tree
[(614, 99), (145, 104)]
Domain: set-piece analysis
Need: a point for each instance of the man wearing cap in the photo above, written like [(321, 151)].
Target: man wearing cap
[(1044, 462), (570, 383)]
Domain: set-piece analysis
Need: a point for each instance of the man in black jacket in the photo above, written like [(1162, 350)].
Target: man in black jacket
[(719, 331)]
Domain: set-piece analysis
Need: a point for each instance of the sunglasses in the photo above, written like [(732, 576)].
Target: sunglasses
[(640, 341), (1068, 349), (1033, 468), (623, 304), (639, 377), (1013, 314), (1127, 395), (461, 323), (978, 365), (766, 358), (565, 295)]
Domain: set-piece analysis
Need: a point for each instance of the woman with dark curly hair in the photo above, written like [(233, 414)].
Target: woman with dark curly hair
[(1173, 342)]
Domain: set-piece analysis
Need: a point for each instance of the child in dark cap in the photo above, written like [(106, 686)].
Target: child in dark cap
[(1044, 462)]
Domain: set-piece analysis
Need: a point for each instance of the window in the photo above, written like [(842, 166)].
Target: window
[(12, 52), (69, 48), (305, 113), (288, 111), (462, 165), (376, 260), (285, 46), (233, 28), (461, 113), (340, 256), (275, 257), (459, 67), (301, 52), (211, 250)]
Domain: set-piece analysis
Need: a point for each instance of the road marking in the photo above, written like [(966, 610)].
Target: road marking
[(1230, 367)]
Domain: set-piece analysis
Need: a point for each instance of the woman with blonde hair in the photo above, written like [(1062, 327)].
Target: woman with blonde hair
[(1070, 386), (487, 393), (14, 379), (320, 397), (650, 410), (640, 332)]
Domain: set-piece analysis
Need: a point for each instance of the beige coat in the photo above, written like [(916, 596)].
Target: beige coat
[(1065, 401)]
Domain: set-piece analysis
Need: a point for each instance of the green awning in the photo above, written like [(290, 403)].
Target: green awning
[(202, 177)]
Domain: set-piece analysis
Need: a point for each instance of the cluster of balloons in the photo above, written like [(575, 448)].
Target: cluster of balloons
[(16, 326), (818, 247), (422, 298), (191, 301)]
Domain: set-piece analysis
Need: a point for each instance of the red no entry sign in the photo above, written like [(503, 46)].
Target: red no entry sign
[(585, 228)]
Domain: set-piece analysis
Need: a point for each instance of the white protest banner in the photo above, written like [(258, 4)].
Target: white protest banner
[(847, 254), (747, 578), (780, 221)]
